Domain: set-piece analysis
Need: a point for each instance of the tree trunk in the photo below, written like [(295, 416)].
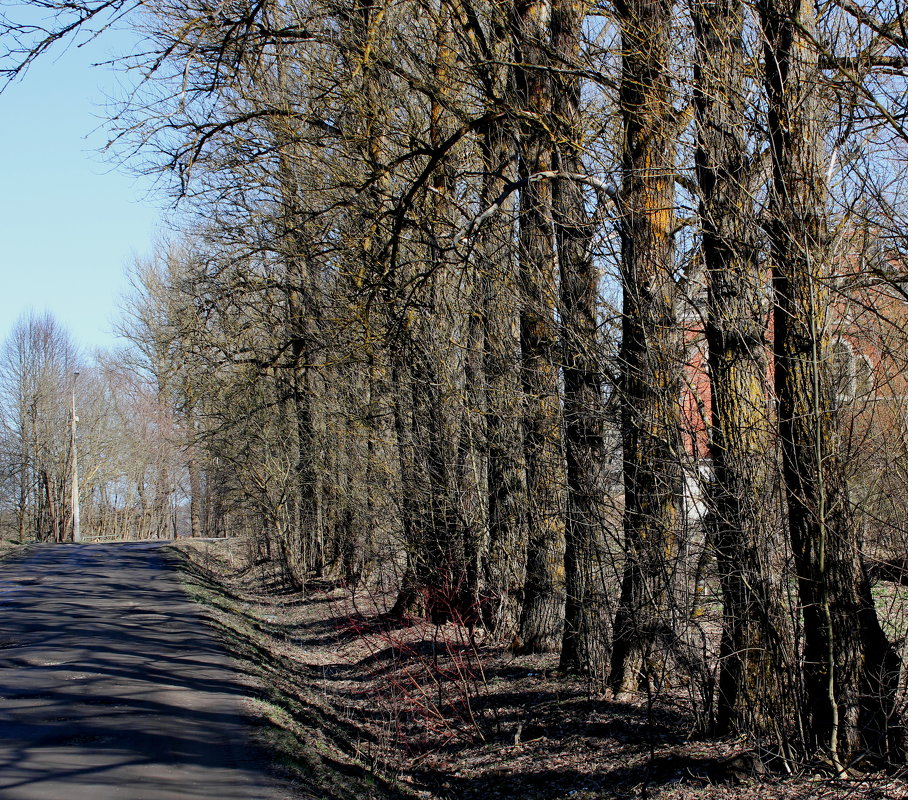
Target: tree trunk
[(410, 599), (504, 564), (540, 621), (584, 647), (851, 671), (441, 378), (472, 462), (311, 532), (302, 333), (22, 510), (650, 345), (755, 653), (195, 495)]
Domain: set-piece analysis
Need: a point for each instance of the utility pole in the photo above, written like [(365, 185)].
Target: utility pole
[(77, 535)]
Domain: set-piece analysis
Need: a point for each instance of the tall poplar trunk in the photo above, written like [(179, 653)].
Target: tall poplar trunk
[(410, 600), (25, 466), (301, 331), (195, 495), (755, 655), (502, 558), (439, 556), (302, 334), (851, 670), (217, 492), (160, 511), (23, 501), (448, 560), (650, 344), (365, 30), (309, 484), (504, 562), (540, 621), (584, 648), (443, 555), (471, 474)]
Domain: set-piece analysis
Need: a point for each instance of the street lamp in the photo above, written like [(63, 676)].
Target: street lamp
[(77, 535)]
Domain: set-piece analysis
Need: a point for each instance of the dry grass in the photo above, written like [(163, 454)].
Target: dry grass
[(9, 547), (378, 710)]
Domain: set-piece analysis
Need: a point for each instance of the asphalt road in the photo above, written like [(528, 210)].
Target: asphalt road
[(112, 686)]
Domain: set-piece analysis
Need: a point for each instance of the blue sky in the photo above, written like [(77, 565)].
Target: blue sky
[(70, 222)]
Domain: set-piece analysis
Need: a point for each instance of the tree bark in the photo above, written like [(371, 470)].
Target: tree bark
[(584, 647), (195, 496), (22, 509), (851, 670), (651, 342), (754, 677), (504, 560), (302, 334), (541, 615)]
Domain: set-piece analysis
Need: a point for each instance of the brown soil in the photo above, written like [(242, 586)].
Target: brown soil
[(434, 712)]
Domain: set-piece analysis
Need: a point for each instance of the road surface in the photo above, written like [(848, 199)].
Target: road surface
[(112, 686)]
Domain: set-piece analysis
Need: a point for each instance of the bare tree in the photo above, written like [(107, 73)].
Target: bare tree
[(650, 342), (38, 366), (757, 653), (850, 668)]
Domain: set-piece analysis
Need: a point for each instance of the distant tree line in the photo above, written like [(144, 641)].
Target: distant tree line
[(135, 461)]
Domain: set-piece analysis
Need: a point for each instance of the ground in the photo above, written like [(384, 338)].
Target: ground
[(9, 546), (433, 712)]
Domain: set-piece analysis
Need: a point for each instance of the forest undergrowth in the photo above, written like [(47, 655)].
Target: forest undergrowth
[(355, 705)]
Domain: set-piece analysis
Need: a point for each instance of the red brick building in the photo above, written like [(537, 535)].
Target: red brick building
[(867, 354)]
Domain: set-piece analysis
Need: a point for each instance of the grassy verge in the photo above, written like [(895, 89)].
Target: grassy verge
[(306, 740), (10, 547), (355, 707)]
